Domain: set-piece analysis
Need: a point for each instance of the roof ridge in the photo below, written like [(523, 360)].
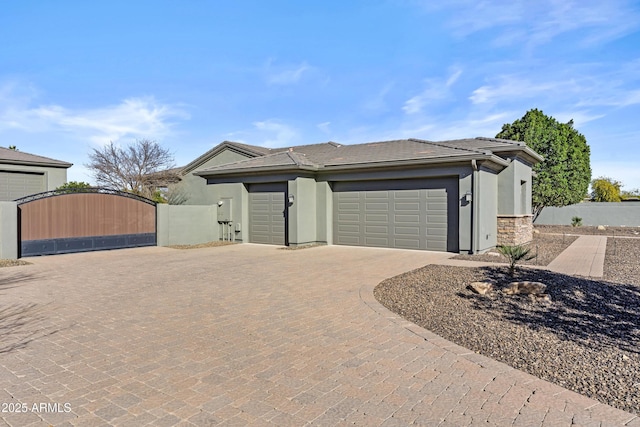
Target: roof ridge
[(506, 141), (442, 144)]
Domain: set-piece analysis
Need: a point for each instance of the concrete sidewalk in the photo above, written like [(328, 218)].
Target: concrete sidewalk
[(584, 257)]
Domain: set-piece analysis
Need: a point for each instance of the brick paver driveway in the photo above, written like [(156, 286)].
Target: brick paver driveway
[(246, 334)]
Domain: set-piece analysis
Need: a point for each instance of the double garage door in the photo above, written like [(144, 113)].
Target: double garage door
[(408, 214)]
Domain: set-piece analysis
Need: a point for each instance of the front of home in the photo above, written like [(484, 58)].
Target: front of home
[(464, 195)]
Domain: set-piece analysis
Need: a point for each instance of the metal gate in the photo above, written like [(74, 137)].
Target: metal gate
[(57, 222)]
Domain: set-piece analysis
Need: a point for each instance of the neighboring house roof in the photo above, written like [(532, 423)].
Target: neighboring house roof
[(15, 157), (331, 156), (246, 149)]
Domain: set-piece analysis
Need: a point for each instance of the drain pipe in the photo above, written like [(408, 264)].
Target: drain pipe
[(474, 206)]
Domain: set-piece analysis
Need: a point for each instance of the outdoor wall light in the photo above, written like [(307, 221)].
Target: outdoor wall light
[(291, 198)]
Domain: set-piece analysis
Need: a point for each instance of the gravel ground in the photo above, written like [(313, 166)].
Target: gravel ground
[(547, 246), (12, 262), (586, 339)]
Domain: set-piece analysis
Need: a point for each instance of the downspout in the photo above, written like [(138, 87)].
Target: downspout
[(474, 206)]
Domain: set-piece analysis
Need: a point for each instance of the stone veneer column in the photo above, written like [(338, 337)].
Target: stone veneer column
[(515, 229)]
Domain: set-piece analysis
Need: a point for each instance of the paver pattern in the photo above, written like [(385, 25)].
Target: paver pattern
[(249, 335), (584, 257)]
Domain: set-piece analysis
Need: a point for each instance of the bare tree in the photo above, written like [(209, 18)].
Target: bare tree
[(140, 168)]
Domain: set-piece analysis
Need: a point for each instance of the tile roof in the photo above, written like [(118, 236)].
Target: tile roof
[(18, 157), (331, 154)]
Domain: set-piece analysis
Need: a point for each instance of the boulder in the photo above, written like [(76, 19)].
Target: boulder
[(539, 297), (527, 288), (481, 288), (602, 227)]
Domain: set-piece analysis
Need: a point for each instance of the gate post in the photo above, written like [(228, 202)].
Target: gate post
[(8, 230)]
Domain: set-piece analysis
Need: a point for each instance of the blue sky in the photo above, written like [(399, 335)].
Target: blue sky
[(189, 74)]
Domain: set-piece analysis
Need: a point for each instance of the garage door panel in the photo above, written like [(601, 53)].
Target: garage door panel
[(376, 241), (349, 217), (436, 219), (407, 218), (414, 207), (407, 243), (437, 232), (376, 195), (370, 206), (409, 231), (393, 214), (349, 228), (349, 206), (349, 240), (377, 218), (379, 229), (267, 213)]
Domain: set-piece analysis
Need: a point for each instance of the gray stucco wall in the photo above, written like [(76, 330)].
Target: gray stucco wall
[(593, 213), (8, 230), (465, 185), (324, 207), (186, 225), (302, 213), (199, 193), (486, 221), (514, 197)]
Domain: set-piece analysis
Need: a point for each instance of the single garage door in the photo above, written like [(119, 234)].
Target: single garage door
[(14, 185), (267, 213), (407, 214)]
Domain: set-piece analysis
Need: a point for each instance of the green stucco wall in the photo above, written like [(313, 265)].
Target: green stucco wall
[(324, 212), (8, 230), (186, 225), (199, 193), (302, 212), (514, 198), (487, 195)]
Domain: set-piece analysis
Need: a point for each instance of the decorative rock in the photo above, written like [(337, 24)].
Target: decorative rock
[(528, 288), (601, 227), (481, 288), (539, 297)]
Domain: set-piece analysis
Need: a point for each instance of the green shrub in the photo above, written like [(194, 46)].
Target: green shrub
[(514, 255), (576, 221)]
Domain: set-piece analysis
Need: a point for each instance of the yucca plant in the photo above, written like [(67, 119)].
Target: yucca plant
[(515, 254)]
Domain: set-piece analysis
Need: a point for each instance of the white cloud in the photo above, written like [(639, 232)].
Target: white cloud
[(324, 127), (511, 87), (133, 117), (580, 118), (436, 89), (285, 75), (275, 134), (523, 22), (378, 102)]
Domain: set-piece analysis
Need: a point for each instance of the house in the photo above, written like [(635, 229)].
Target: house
[(22, 174), (464, 195)]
